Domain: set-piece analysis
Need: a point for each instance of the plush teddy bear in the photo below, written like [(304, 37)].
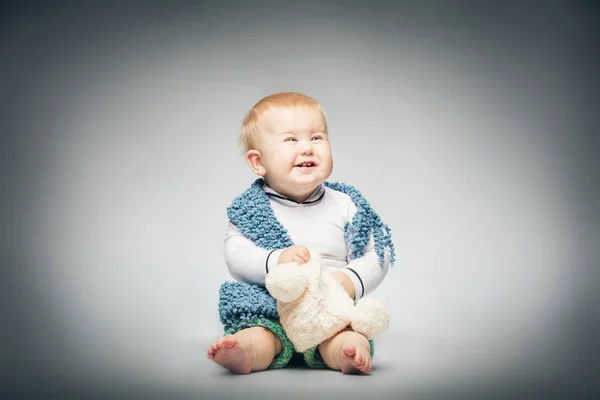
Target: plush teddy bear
[(313, 306)]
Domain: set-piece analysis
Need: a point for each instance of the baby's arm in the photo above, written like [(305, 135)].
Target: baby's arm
[(365, 272), (250, 263), (246, 261)]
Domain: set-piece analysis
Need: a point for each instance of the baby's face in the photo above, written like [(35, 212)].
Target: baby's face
[(295, 150)]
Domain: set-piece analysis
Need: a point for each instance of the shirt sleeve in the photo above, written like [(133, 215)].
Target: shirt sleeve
[(247, 262), (365, 272)]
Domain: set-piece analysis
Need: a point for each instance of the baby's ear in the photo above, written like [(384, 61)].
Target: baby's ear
[(254, 160)]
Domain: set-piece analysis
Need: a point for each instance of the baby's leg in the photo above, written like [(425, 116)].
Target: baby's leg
[(248, 350), (348, 351)]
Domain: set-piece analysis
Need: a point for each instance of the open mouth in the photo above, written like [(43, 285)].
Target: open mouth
[(306, 164)]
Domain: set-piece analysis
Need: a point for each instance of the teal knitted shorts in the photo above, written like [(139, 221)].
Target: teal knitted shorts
[(243, 306), (311, 357)]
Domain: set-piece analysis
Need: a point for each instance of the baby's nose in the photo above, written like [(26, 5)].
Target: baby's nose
[(306, 147)]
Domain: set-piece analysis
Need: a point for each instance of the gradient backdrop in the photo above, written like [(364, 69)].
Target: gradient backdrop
[(468, 125)]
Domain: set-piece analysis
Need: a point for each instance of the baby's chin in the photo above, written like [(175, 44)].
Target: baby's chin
[(308, 180)]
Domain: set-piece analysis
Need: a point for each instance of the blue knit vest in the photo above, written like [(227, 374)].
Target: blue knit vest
[(252, 214)]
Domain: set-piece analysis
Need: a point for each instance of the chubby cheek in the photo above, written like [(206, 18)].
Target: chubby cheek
[(278, 158), (325, 157), (328, 167), (289, 159), (283, 164)]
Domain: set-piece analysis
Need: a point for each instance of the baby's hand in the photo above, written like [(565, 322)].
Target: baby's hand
[(298, 254)]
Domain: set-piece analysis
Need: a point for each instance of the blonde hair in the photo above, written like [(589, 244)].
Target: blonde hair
[(251, 124)]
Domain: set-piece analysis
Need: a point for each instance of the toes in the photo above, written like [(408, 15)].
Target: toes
[(366, 367), (229, 341), (362, 362), (219, 344), (211, 351), (359, 361), (350, 350)]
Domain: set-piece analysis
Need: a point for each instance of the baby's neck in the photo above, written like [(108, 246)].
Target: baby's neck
[(299, 196)]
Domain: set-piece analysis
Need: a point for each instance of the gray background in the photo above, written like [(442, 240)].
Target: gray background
[(466, 124)]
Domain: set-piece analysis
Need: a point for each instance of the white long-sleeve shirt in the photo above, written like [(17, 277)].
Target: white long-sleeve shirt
[(318, 224)]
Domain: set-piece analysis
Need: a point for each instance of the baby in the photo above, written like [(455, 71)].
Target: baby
[(287, 145)]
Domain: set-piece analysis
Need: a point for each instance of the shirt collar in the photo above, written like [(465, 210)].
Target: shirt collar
[(315, 196)]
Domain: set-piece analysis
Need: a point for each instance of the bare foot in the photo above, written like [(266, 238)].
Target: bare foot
[(348, 351), (234, 354), (355, 359)]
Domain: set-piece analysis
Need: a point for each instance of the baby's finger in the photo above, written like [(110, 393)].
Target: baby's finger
[(301, 256), (305, 254), (298, 259), (285, 258)]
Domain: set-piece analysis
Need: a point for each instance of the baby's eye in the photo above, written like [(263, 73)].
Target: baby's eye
[(290, 139), (317, 137)]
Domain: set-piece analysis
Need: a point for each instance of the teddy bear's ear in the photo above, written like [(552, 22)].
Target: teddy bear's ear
[(286, 282)]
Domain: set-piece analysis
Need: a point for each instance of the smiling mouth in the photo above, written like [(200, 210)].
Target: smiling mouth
[(307, 164)]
